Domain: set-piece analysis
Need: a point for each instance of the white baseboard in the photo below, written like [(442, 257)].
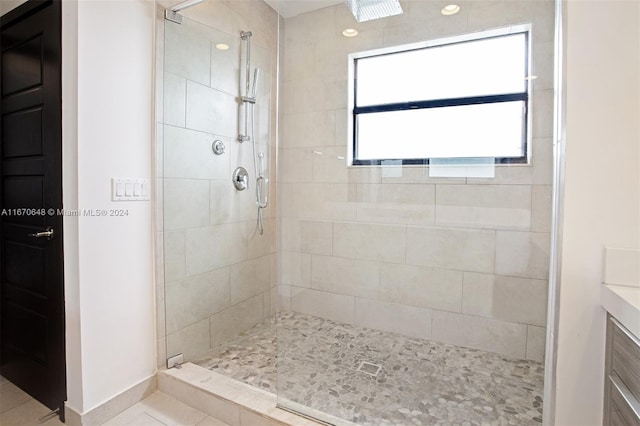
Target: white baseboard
[(111, 408)]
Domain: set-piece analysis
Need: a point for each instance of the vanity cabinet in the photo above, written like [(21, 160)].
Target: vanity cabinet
[(622, 376)]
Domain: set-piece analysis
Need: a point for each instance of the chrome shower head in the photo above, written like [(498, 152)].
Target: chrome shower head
[(366, 10), (245, 34)]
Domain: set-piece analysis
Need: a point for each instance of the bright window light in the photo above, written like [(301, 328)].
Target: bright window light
[(454, 100)]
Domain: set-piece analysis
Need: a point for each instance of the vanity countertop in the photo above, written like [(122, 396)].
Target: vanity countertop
[(623, 302)]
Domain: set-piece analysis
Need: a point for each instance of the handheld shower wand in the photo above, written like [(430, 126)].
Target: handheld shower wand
[(249, 101)]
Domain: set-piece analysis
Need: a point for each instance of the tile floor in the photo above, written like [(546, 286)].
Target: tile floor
[(19, 409), (420, 382)]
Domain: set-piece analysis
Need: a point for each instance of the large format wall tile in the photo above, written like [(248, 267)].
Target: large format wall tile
[(186, 203), (345, 276), (187, 53), (174, 256), (337, 307), (512, 299), (211, 111), (329, 164), (316, 237), (295, 164), (541, 208), (412, 204), (311, 129), (459, 249), (401, 319), (188, 154), (191, 341), (331, 201), (536, 337), (296, 269), (481, 333), (215, 246), (240, 317), (385, 243), (225, 66), (250, 278), (175, 95), (196, 298), (484, 206), (421, 287), (522, 254)]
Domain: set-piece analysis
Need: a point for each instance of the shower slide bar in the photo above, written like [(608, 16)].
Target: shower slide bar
[(248, 101)]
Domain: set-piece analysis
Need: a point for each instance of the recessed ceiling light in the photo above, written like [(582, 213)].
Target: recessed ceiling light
[(222, 46), (350, 32), (451, 9)]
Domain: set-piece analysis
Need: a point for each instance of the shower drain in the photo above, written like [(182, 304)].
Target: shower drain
[(369, 368)]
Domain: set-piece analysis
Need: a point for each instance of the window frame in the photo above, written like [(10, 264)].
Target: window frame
[(524, 96)]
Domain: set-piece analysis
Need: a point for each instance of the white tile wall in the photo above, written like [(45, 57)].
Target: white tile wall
[(186, 203), (484, 206), (511, 299), (448, 248), (482, 333), (187, 52), (196, 298), (316, 237), (174, 256), (385, 243), (188, 155), (421, 287), (345, 276), (337, 307), (218, 270), (522, 254), (396, 318), (464, 260), (386, 248), (535, 343), (229, 323), (250, 278), (215, 246), (309, 129), (190, 341), (175, 92), (210, 110), (412, 204)]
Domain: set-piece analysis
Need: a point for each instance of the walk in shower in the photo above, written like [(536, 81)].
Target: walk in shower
[(379, 291)]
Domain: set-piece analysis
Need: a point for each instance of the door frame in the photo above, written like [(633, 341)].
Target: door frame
[(14, 16)]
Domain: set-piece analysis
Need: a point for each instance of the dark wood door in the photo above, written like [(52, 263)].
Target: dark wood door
[(32, 353)]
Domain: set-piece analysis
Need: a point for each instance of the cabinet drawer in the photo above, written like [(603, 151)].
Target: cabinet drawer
[(625, 358), (624, 410)]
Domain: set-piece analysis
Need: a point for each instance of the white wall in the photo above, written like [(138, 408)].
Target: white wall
[(115, 74), (107, 132), (602, 189)]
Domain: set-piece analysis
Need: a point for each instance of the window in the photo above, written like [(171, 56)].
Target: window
[(464, 97)]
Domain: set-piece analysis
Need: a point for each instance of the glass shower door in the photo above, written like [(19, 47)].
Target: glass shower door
[(217, 266)]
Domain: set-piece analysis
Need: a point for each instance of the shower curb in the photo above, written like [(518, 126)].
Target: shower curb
[(229, 400)]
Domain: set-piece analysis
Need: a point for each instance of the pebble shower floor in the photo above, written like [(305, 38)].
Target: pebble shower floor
[(419, 382)]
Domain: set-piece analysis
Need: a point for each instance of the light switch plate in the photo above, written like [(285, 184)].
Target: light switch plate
[(130, 189)]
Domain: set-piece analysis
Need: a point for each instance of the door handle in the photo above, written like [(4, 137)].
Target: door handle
[(48, 234)]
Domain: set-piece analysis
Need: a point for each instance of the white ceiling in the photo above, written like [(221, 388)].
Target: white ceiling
[(290, 8)]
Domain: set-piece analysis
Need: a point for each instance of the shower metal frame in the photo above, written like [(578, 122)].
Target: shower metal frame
[(171, 13)]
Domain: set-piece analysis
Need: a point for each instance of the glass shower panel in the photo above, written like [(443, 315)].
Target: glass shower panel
[(404, 298), (217, 266)]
